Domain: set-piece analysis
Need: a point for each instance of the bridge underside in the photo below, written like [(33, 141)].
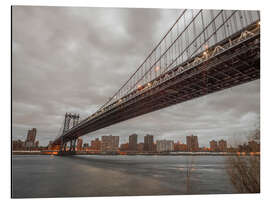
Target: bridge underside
[(234, 66)]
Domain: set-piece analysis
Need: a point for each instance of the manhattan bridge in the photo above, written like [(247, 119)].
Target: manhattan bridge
[(203, 52)]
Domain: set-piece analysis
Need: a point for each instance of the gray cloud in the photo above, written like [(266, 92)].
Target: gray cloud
[(73, 59)]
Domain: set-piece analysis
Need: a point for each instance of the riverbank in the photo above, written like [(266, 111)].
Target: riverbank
[(144, 154)]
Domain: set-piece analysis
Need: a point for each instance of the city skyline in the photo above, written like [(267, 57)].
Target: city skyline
[(41, 96), (109, 144), (132, 140)]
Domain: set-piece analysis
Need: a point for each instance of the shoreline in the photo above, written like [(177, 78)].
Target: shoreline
[(144, 154)]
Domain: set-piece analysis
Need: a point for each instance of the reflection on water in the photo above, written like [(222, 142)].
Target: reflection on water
[(53, 176)]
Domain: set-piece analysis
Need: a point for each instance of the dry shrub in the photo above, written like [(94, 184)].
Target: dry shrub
[(244, 171)]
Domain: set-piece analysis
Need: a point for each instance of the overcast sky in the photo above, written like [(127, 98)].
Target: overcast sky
[(73, 59)]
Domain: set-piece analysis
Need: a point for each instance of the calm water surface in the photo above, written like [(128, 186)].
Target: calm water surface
[(89, 175)]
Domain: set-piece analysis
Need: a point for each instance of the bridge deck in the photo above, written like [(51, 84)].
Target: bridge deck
[(232, 62)]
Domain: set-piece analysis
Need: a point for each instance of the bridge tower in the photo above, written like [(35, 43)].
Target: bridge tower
[(70, 121)]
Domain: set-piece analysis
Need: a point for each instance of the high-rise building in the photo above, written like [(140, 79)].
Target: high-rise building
[(140, 147), (149, 143), (30, 139), (85, 146), (192, 143), (180, 147), (165, 145), (124, 147), (31, 135), (213, 146), (109, 143), (17, 145), (79, 144), (222, 145), (132, 145), (96, 144), (155, 147), (253, 146)]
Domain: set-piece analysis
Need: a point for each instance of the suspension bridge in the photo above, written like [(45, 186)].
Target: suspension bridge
[(204, 51)]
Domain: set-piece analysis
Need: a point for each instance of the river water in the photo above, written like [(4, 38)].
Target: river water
[(107, 175)]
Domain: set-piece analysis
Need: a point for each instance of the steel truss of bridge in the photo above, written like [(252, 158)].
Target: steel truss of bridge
[(231, 62)]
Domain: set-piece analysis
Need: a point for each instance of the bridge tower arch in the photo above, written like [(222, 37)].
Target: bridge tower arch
[(70, 121)]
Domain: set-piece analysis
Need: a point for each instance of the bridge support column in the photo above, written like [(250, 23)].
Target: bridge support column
[(65, 147), (72, 147), (61, 145)]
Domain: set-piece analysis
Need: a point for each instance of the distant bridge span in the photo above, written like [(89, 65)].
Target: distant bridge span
[(194, 71)]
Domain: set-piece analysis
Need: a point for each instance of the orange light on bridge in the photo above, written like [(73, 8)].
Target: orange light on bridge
[(139, 87), (157, 68), (149, 84)]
